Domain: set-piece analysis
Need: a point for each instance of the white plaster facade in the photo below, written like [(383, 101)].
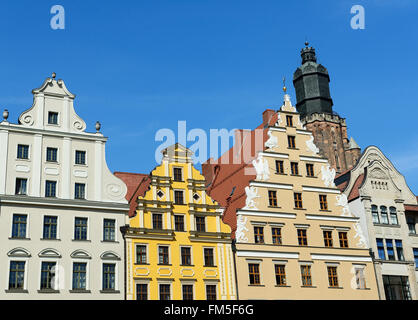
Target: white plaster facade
[(382, 186), (103, 198)]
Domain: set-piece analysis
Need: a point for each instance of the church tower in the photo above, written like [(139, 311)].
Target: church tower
[(314, 103)]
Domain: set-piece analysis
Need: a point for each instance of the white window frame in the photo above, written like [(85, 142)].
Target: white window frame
[(27, 235), (25, 279), (158, 253), (116, 273), (147, 251), (87, 262), (85, 157), (58, 226), (116, 230), (215, 264), (88, 228), (191, 254), (255, 261)]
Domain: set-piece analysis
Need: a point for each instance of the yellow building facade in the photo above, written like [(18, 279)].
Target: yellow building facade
[(177, 247)]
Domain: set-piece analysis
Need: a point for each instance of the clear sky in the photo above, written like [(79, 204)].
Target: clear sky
[(139, 66)]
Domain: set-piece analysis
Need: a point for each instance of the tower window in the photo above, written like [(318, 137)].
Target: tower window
[(289, 121)]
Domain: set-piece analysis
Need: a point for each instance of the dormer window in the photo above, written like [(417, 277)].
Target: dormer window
[(52, 117)]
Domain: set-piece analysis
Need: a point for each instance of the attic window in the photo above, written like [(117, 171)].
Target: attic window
[(52, 117)]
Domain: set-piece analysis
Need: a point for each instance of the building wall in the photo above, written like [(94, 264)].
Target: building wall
[(216, 236), (104, 198)]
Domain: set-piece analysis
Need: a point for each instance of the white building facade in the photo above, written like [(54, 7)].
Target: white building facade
[(61, 208), (377, 193)]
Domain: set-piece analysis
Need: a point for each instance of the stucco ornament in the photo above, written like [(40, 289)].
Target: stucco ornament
[(279, 120), (328, 175), (262, 168), (362, 241), (241, 228), (272, 141), (251, 193), (301, 125), (343, 202), (311, 146)]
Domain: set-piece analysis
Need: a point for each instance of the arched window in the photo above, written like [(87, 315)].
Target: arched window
[(393, 215), (375, 214), (384, 214)]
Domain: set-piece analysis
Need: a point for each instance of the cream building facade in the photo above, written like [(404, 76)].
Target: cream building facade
[(378, 194), (60, 206)]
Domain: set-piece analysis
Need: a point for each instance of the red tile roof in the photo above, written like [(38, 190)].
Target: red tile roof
[(354, 193), (411, 207), (138, 184)]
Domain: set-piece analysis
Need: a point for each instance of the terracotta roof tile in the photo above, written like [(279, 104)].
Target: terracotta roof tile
[(354, 193)]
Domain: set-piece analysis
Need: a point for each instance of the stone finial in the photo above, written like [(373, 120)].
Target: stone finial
[(54, 75), (5, 114), (98, 126)]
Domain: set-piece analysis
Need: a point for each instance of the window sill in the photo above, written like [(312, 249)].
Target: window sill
[(386, 225), (109, 241), (16, 291), (79, 291), (187, 265), (412, 234), (335, 288), (48, 291), (141, 264), (81, 240), (308, 286), (295, 175), (292, 148), (281, 173), (363, 289), (180, 204), (83, 165), (109, 291), (282, 286), (21, 194), (325, 210), (273, 207), (311, 177), (210, 266), (17, 238), (46, 239), (164, 264), (23, 159), (256, 285), (299, 209)]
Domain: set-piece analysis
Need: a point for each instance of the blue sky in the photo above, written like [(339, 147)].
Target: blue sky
[(139, 66)]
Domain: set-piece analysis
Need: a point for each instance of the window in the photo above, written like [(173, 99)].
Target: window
[(389, 249), (323, 204), (277, 235), (177, 174), (109, 276), (210, 292), (310, 170), (80, 191), (109, 229), (17, 275), (51, 154), (375, 214), (328, 238), (272, 198), (141, 254), (179, 223), (384, 214), (411, 225), (22, 151), (399, 250), (164, 292), (50, 227), (306, 276), (80, 157), (52, 117), (343, 239), (279, 167), (163, 255), (396, 288), (187, 291), (141, 291), (19, 226), (294, 168), (298, 200), (209, 260), (393, 215), (186, 256), (416, 257), (178, 197), (50, 189), (79, 276), (21, 186), (47, 274), (258, 234), (254, 271), (302, 237), (200, 224), (360, 278), (80, 229), (289, 121), (291, 142), (157, 221), (332, 276), (381, 249), (280, 275)]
